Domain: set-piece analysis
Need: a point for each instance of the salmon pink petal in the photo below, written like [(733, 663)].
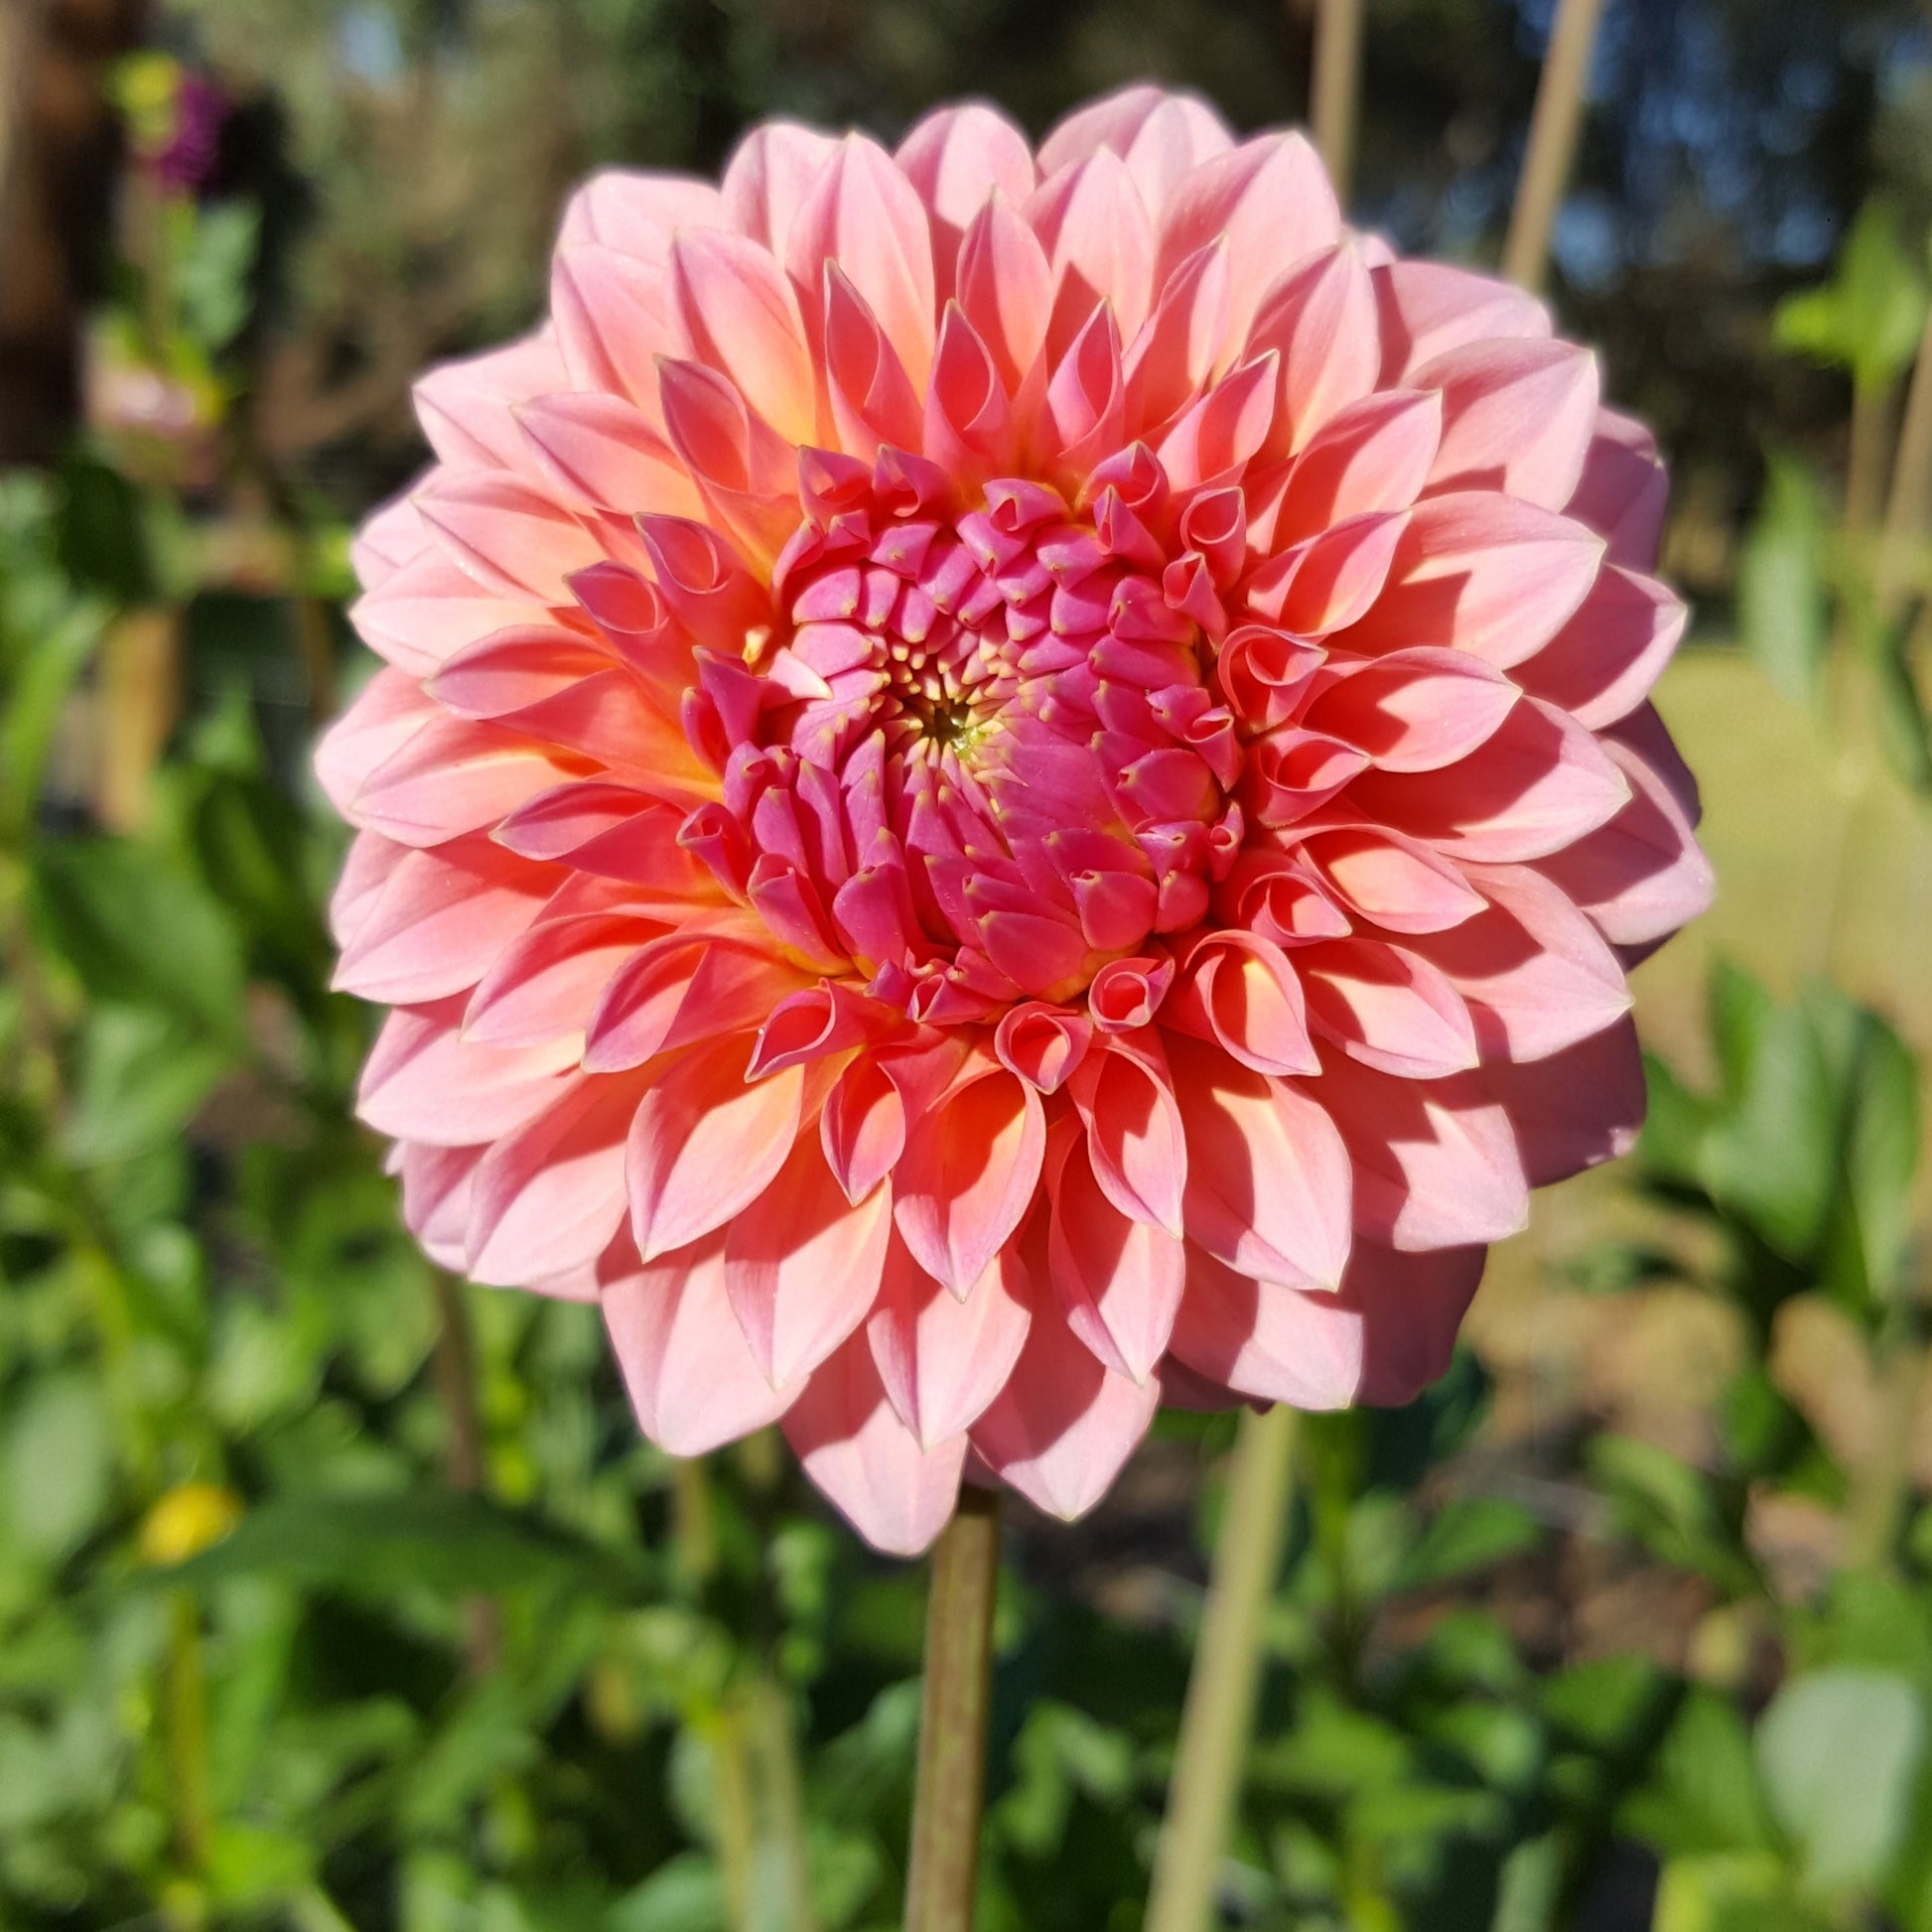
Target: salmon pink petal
[(549, 1196), (706, 1144), (1411, 1306), (1268, 1183), (1517, 416), (1371, 457), (1436, 1161), (1623, 490), (680, 989), (1321, 321), (513, 537), (1136, 1141), (1429, 308), (546, 984), (966, 1180), (637, 212), (941, 1360), (955, 158), (1574, 1109), (1119, 1280), (1484, 573), (424, 1081), (1397, 883), (1536, 785), (1005, 287), (1602, 664), (1162, 137), (1642, 874), (601, 452), (769, 177), (1099, 243), (1534, 973), (436, 1183), (1414, 710), (455, 776), (387, 712), (854, 1447), (1064, 1425), (1388, 1008), (427, 610), (743, 320), (864, 219), (689, 1371), (437, 921), (1241, 991), (803, 1264), (1270, 1342), (465, 407), (1271, 200)]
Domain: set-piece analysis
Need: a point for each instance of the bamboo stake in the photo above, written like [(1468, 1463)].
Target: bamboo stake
[(1337, 87), (1217, 1720), (1910, 498), (1555, 127)]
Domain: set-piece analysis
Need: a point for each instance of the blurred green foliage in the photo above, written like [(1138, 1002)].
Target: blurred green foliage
[(336, 1594)]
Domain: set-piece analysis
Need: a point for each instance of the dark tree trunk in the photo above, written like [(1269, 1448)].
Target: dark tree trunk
[(58, 154)]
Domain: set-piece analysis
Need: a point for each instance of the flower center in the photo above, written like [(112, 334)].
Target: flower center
[(985, 761)]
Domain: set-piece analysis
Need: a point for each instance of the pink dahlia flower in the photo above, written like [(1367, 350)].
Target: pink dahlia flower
[(1007, 786)]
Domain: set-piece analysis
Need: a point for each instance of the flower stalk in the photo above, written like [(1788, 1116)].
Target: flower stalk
[(950, 1792), (1217, 1720)]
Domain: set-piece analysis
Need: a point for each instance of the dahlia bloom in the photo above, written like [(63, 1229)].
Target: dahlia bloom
[(1007, 787)]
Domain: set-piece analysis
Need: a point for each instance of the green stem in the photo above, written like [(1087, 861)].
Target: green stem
[(951, 1788), (1217, 1720), (187, 1767)]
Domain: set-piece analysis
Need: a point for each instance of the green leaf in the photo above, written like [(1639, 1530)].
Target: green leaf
[(1730, 1892), (143, 1076), (1772, 1156), (1783, 608), (685, 1895), (1704, 1793), (1468, 1534), (1866, 319), (211, 278), (1666, 1505), (373, 1545), (1904, 731), (58, 1461), (138, 930), (1839, 1751)]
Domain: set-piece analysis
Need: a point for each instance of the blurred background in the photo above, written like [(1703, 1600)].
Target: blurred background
[(337, 1594)]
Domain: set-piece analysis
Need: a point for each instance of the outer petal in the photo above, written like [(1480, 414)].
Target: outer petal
[(425, 1082), (1063, 1426), (550, 1196), (863, 214), (1267, 1182), (1162, 137), (1437, 1163), (706, 1144), (944, 1360), (955, 158), (966, 1179), (438, 920), (1577, 1108), (803, 1264), (690, 1373), (1119, 1280), (1267, 1340), (896, 1495)]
